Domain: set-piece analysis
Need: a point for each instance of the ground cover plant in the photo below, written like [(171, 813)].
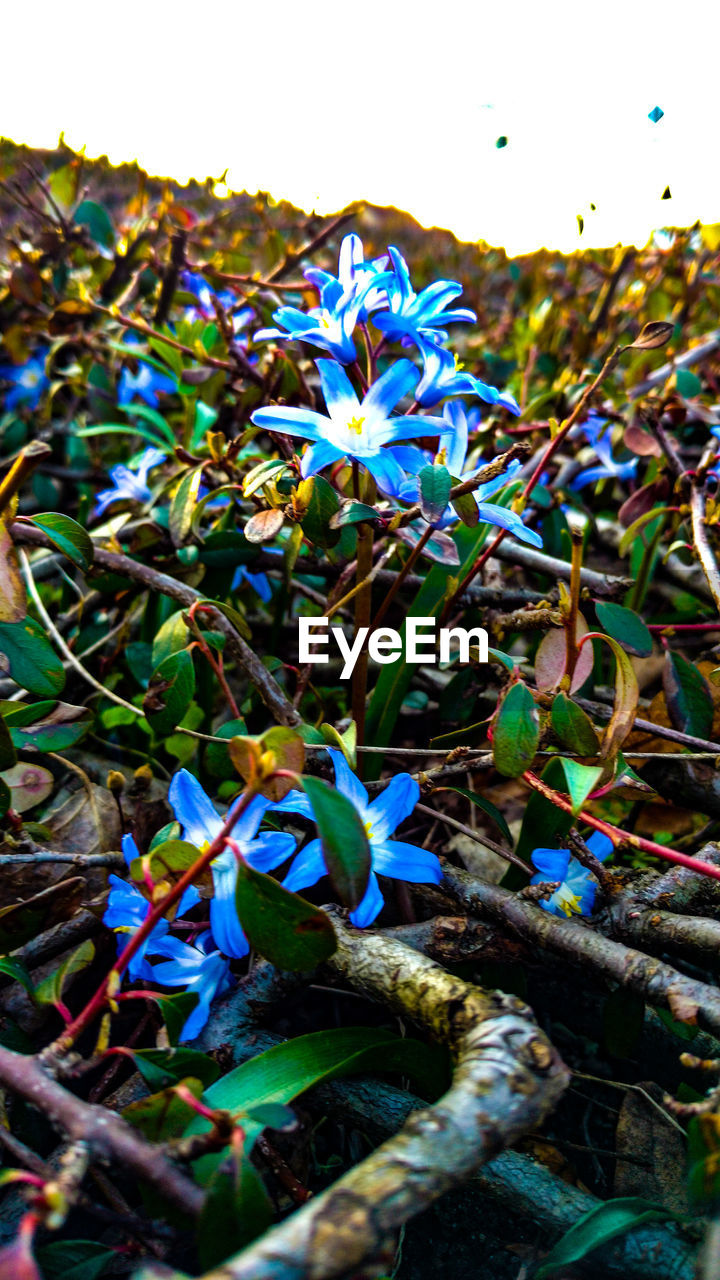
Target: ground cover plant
[(319, 957)]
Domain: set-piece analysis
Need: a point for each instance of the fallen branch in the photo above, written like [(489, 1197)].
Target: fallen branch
[(107, 1135), (507, 1078)]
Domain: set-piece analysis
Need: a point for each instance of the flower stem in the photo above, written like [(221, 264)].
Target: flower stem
[(363, 610)]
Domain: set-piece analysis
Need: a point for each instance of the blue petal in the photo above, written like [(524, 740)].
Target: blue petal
[(601, 845), (130, 849), (292, 421), (385, 393), (270, 850), (347, 783), (509, 520), (340, 397), (246, 825), (371, 905), (307, 868), (393, 806), (318, 456), (406, 862), (386, 472), (193, 809), (551, 863), (294, 802)]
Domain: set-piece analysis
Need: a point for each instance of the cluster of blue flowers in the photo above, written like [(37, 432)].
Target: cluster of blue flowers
[(368, 431), (202, 962)]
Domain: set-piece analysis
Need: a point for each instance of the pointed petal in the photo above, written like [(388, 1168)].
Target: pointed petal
[(318, 456), (406, 862), (193, 809), (387, 473), (371, 905), (385, 393), (338, 391), (292, 421), (551, 863), (294, 802), (307, 868), (509, 520), (270, 850), (393, 806), (347, 782), (601, 845)]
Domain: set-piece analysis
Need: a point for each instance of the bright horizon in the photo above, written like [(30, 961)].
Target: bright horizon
[(385, 105)]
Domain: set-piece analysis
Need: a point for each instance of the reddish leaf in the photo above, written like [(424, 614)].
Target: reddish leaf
[(551, 659)]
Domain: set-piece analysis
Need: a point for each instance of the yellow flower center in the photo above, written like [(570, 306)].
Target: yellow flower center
[(368, 831), (356, 425), (569, 903), (458, 363)]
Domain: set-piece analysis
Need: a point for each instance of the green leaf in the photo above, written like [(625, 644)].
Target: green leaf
[(175, 1010), (346, 741), (170, 692), (172, 636), (688, 696), (704, 1160), (289, 1069), (626, 626), (352, 513), (74, 1259), (183, 505), (321, 503), (30, 659), (606, 1222), (573, 727), (68, 537), (16, 970), (687, 383), (517, 731), (217, 757), (581, 780), (162, 1067), (114, 429), (345, 845), (262, 474), (50, 990), (626, 700), (163, 1115), (8, 755), (96, 218), (629, 537), (47, 726), (283, 927), (434, 485), (467, 508), (236, 1211), (487, 807), (205, 418)]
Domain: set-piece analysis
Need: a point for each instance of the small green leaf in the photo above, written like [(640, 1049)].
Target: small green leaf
[(262, 474), (573, 727), (688, 696), (606, 1222), (283, 927), (352, 513), (74, 1259), (434, 485), (625, 626), (8, 755), (346, 741), (626, 699), (467, 508), (47, 726), (345, 845), (162, 1067), (217, 757), (175, 1010), (172, 636), (182, 507), (630, 535), (68, 537), (170, 692), (321, 502), (96, 218), (163, 1115), (517, 731), (236, 1211), (27, 656), (581, 780), (50, 990), (16, 970)]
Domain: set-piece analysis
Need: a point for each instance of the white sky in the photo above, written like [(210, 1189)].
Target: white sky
[(395, 102)]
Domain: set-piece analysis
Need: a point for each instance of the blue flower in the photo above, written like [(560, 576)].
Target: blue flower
[(201, 824), (127, 909), (353, 429), (393, 858), (200, 968), (29, 380), (599, 438), (576, 893), (147, 383), (453, 447), (443, 376), (130, 485), (412, 314), (205, 295), (258, 581), (355, 277)]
